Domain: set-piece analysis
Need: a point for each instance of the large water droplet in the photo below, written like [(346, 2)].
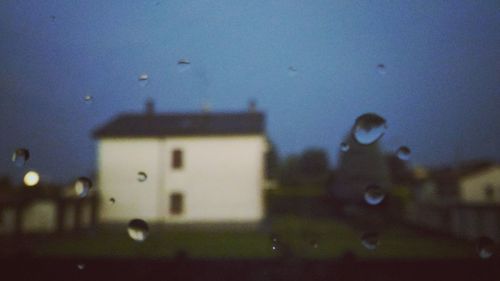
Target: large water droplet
[(381, 68), (370, 240), (369, 128), (485, 247), (292, 71), (20, 156), (83, 186), (374, 194), (183, 65), (31, 178), (403, 153), (141, 176), (143, 79), (344, 147), (138, 230)]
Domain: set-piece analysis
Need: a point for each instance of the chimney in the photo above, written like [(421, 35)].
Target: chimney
[(252, 106), (150, 107)]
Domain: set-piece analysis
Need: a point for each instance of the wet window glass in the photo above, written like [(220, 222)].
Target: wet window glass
[(250, 140)]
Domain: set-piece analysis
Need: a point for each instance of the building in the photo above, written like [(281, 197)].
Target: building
[(483, 186), (182, 167)]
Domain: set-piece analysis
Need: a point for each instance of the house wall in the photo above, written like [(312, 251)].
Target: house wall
[(40, 217), (119, 161), (221, 178), (473, 188)]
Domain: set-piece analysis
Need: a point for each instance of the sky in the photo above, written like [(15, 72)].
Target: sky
[(439, 90)]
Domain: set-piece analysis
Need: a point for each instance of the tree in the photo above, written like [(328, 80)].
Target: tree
[(313, 163), (359, 167), (271, 162), (309, 168)]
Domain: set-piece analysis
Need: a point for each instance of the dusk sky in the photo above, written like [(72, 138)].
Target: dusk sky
[(439, 91)]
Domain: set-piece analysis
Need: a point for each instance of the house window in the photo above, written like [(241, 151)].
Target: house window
[(176, 203), (177, 159)]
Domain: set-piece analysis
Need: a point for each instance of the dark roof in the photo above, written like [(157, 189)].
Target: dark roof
[(183, 124)]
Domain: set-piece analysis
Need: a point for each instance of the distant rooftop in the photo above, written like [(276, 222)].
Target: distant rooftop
[(150, 124)]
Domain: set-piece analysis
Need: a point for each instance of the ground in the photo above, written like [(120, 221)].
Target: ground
[(305, 237)]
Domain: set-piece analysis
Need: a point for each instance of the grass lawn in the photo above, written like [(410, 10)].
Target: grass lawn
[(332, 237)]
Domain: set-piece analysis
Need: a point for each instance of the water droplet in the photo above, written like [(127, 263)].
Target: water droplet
[(88, 98), (403, 153), (143, 79), (275, 243), (112, 200), (485, 247), (141, 176), (52, 18), (292, 71), (83, 186), (20, 156), (183, 65), (381, 68), (138, 230), (31, 178), (374, 194), (369, 128), (81, 266), (344, 147), (370, 240)]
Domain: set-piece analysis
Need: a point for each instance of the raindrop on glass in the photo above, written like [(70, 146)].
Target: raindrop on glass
[(485, 247), (52, 18), (369, 128), (141, 176), (31, 178), (112, 200), (81, 266), (292, 71), (381, 68), (183, 65), (374, 194), (88, 98), (344, 147), (138, 230), (83, 186), (370, 240), (143, 79), (275, 243), (20, 156), (403, 153)]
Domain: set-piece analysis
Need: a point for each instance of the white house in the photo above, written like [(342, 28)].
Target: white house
[(481, 187), (183, 167)]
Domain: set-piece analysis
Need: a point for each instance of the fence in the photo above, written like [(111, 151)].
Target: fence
[(47, 214), (467, 221)]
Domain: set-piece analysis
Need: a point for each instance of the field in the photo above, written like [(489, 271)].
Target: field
[(298, 237)]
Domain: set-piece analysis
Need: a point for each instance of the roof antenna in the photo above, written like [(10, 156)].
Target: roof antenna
[(150, 106)]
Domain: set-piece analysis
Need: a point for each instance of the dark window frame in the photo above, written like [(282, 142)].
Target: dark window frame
[(177, 159), (176, 203)]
